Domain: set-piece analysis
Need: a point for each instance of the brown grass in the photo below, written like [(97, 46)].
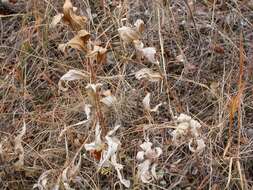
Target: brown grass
[(206, 33)]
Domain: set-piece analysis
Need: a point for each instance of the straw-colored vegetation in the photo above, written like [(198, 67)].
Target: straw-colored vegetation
[(126, 94)]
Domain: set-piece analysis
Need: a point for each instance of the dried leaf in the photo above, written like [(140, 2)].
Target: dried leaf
[(75, 21), (113, 144), (138, 45), (128, 34), (148, 74), (94, 87), (188, 127), (62, 47), (56, 19), (79, 42), (140, 155), (146, 104), (153, 170), (148, 52), (195, 126), (99, 53), (143, 171), (153, 153), (139, 24), (180, 58), (87, 110), (111, 132), (183, 118), (181, 129), (200, 145), (97, 145), (71, 75), (109, 101), (43, 179), (149, 155), (92, 90), (119, 167), (109, 156), (158, 152), (146, 146)]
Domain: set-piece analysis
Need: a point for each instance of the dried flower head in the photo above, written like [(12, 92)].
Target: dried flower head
[(188, 128), (148, 156)]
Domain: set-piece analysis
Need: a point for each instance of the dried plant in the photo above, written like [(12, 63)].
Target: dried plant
[(126, 71), (108, 156), (188, 127), (148, 157)]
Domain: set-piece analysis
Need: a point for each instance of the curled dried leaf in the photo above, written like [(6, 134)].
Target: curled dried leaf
[(99, 53), (139, 24), (200, 145), (109, 156), (146, 146), (71, 75), (113, 145), (153, 170), (138, 44), (143, 171), (128, 34), (188, 127), (148, 74), (97, 145), (43, 180), (180, 58), (119, 167), (75, 21), (146, 104), (183, 118), (92, 91), (56, 20), (94, 87), (79, 42), (181, 129), (109, 100), (148, 52), (87, 110), (148, 155), (140, 155)]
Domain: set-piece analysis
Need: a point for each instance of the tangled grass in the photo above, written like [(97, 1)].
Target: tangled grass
[(204, 53)]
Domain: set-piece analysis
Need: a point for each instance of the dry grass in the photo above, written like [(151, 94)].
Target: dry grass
[(206, 34)]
